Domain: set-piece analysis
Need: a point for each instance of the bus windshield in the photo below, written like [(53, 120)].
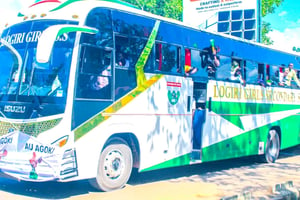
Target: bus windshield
[(22, 76)]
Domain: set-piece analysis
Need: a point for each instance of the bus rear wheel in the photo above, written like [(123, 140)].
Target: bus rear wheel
[(272, 147), (114, 167)]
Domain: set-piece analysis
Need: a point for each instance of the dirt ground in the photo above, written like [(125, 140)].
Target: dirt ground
[(256, 178), (259, 180)]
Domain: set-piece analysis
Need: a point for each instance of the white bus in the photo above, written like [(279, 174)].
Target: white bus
[(93, 89)]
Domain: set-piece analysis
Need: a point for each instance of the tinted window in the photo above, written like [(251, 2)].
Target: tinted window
[(101, 20), (196, 62), (95, 74), (252, 72), (132, 25), (223, 71), (167, 58)]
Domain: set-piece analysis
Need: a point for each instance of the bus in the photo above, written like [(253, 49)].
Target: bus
[(92, 90)]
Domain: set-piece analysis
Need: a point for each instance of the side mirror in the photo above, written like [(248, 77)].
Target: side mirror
[(49, 36)]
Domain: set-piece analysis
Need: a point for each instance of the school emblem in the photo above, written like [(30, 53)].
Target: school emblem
[(173, 97)]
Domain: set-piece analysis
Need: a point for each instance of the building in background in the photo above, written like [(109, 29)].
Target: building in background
[(240, 18)]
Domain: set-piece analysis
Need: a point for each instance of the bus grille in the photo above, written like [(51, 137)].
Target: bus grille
[(30, 128)]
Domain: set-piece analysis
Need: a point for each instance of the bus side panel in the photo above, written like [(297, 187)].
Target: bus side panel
[(240, 118), (165, 131), (160, 118), (290, 131)]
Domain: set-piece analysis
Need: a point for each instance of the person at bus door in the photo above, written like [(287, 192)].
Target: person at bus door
[(291, 74), (198, 121), (211, 61), (236, 73), (122, 61)]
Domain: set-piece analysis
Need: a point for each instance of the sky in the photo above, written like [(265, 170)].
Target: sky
[(285, 22), (10, 8)]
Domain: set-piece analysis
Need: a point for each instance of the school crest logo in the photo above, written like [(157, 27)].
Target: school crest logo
[(173, 97)]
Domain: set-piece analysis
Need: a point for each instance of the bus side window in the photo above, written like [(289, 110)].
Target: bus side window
[(192, 62), (128, 51), (237, 72), (167, 58), (261, 74), (158, 56), (95, 78), (101, 20), (224, 70), (252, 72)]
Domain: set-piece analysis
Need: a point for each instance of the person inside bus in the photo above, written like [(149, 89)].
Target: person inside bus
[(236, 73), (281, 75), (291, 74), (261, 76), (269, 81), (210, 60), (122, 61), (98, 86)]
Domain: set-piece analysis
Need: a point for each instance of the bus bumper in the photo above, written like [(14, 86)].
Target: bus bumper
[(25, 158)]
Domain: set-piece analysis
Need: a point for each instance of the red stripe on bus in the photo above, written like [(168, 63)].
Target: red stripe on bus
[(45, 1), (173, 84)]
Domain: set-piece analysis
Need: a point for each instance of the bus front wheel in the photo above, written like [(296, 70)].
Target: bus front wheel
[(272, 147), (114, 167)]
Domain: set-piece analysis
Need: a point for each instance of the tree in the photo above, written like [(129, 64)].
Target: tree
[(170, 9), (268, 7)]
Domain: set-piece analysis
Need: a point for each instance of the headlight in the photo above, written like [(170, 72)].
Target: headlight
[(61, 141)]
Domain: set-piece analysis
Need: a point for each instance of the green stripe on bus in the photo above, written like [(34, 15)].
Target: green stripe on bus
[(247, 143), (141, 62), (75, 28), (232, 111), (179, 161)]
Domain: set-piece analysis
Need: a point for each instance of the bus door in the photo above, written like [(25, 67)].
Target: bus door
[(194, 68), (94, 82), (199, 113)]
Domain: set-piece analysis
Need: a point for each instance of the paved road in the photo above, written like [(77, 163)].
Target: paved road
[(204, 181)]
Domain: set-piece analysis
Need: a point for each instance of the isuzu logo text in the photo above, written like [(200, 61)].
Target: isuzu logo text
[(14, 109)]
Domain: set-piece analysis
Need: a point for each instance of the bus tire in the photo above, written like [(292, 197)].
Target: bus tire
[(114, 167), (272, 147)]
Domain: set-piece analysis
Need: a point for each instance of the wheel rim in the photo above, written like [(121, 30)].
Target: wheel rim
[(273, 143), (114, 164), (273, 146)]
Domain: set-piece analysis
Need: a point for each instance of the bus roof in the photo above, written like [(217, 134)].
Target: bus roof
[(77, 10)]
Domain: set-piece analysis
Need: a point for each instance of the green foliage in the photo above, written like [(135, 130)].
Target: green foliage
[(266, 28), (268, 7), (170, 9), (296, 49)]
